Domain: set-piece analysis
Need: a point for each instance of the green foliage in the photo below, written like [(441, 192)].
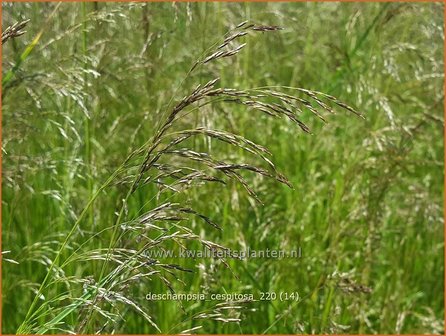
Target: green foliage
[(86, 91)]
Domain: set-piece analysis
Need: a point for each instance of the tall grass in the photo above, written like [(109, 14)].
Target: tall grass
[(134, 128)]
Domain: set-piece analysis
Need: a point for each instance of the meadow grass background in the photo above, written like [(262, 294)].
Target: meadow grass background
[(366, 208)]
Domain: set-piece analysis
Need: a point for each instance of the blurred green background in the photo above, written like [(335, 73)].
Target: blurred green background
[(367, 204)]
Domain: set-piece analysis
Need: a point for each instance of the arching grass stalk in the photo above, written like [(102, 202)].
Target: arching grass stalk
[(150, 158)]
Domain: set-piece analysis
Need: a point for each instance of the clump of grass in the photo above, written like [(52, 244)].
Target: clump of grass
[(169, 161)]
